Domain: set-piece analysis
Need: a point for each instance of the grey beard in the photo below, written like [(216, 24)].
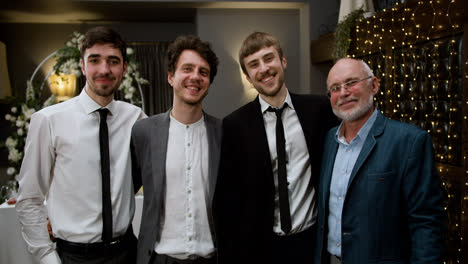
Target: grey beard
[(355, 113)]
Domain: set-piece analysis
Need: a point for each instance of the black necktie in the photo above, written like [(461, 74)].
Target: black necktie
[(285, 213), (105, 171)]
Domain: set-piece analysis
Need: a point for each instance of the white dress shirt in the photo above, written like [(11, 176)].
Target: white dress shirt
[(62, 165), (185, 230), (301, 192)]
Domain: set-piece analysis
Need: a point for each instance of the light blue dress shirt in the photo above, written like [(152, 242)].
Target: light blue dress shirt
[(344, 163)]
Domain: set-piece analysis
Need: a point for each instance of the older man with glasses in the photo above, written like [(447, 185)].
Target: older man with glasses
[(380, 199)]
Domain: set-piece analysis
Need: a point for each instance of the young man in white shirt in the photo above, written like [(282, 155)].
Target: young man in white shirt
[(69, 164), (175, 157)]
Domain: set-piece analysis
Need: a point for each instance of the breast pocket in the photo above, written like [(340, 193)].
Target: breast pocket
[(380, 176)]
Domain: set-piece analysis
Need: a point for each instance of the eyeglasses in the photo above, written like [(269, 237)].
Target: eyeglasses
[(337, 88)]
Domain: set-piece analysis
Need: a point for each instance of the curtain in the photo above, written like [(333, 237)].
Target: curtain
[(150, 58), (348, 6)]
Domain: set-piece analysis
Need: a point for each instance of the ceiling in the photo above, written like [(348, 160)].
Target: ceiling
[(79, 11)]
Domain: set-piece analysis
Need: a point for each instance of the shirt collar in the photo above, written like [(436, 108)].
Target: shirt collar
[(363, 132), (264, 105), (91, 106), (197, 123)]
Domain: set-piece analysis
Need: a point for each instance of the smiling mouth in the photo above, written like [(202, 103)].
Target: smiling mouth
[(346, 102), (105, 80), (192, 88), (268, 78)]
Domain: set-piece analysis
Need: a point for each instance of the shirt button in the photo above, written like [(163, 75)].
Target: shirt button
[(338, 244), (189, 191), (188, 168), (339, 197), (187, 126), (189, 215), (188, 145), (190, 238)]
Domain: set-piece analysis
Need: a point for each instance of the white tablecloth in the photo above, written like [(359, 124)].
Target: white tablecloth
[(13, 249), (12, 246)]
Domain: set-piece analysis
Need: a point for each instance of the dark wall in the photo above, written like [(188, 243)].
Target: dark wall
[(323, 19), (29, 44)]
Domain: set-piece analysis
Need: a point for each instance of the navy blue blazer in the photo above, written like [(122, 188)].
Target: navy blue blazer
[(393, 209)]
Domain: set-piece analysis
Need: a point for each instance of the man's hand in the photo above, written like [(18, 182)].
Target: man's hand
[(11, 201), (49, 228)]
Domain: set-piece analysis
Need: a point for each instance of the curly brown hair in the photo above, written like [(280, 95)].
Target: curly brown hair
[(190, 42)]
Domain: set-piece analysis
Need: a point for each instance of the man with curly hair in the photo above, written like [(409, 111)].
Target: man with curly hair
[(175, 156)]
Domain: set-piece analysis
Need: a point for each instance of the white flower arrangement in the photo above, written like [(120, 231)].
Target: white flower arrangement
[(131, 78), (19, 118), (68, 59), (71, 66)]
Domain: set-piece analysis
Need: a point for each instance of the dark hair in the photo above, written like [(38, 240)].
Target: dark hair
[(103, 35), (255, 42), (190, 42)]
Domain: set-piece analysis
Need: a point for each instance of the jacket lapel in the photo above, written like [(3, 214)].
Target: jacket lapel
[(213, 132), (369, 144), (327, 167), (258, 137), (301, 112), (260, 151), (159, 138)]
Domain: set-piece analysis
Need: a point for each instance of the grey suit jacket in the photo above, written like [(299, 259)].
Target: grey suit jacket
[(149, 147)]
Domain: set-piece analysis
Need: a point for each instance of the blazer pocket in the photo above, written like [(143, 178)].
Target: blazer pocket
[(379, 176), (392, 261)]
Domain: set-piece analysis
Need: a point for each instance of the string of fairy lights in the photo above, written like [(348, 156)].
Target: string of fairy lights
[(415, 50)]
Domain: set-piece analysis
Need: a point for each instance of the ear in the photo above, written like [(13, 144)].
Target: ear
[(375, 85), (248, 78), (170, 78), (284, 62), (125, 68), (82, 67)]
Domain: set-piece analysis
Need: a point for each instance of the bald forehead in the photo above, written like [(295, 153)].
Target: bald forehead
[(347, 64), (345, 68)]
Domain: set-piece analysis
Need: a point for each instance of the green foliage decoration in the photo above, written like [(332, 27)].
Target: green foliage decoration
[(342, 38)]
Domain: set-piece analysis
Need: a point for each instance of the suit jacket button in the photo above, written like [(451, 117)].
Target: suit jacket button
[(149, 252)]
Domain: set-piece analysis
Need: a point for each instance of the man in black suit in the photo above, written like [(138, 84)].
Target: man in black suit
[(265, 199)]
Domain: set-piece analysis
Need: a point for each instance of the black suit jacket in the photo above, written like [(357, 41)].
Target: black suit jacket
[(244, 195)]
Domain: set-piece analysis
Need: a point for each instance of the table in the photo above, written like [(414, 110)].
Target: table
[(13, 249), (12, 246)]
